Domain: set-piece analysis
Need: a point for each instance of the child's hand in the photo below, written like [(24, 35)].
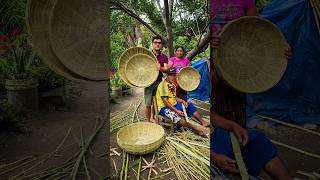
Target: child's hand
[(180, 113), (185, 104)]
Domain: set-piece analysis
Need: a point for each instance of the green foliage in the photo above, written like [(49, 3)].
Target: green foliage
[(260, 4), (12, 15), (16, 63), (117, 42), (10, 118), (116, 81)]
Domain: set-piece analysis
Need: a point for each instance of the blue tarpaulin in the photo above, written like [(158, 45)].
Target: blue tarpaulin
[(296, 98), (202, 93)]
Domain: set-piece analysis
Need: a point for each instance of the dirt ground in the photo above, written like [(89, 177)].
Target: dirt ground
[(49, 128)]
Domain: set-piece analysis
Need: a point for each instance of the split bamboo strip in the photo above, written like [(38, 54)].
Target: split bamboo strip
[(296, 149), (85, 148), (315, 13), (207, 110), (139, 168), (123, 164), (126, 168), (237, 153), (185, 113), (309, 175), (289, 125)]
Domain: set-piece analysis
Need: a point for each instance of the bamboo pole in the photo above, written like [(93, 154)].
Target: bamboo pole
[(237, 153), (185, 113), (296, 149), (289, 125)]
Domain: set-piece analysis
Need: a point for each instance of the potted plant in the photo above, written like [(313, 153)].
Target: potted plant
[(21, 88), (115, 85)]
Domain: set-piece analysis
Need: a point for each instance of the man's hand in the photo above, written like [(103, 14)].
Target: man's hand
[(225, 163), (288, 53), (240, 133)]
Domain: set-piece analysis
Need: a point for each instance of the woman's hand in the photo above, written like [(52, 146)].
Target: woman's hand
[(215, 42), (240, 133), (180, 113), (225, 163)]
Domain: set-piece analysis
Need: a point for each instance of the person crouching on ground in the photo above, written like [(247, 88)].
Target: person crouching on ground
[(169, 105)]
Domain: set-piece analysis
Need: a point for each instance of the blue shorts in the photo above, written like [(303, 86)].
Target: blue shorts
[(174, 117), (256, 154)]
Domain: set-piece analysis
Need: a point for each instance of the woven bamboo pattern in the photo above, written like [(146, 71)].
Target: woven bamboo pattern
[(37, 18), (140, 138), (126, 55), (188, 78), (251, 56), (141, 70), (78, 36)]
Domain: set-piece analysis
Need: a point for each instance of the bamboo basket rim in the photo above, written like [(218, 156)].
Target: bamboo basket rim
[(259, 85), (122, 61), (189, 71), (141, 148), (42, 45), (89, 66), (154, 73)]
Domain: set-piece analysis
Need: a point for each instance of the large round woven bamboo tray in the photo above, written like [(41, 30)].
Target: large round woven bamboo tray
[(140, 138), (78, 36), (141, 70), (126, 55), (188, 78), (251, 56), (37, 20)]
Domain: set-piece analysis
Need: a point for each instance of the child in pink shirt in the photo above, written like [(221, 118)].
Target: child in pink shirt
[(179, 62)]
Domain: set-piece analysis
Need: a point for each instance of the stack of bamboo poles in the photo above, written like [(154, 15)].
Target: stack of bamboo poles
[(188, 155), (31, 167)]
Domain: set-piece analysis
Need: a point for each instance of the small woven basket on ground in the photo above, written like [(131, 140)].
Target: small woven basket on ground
[(37, 21), (251, 55), (141, 70), (140, 138), (188, 78), (77, 31), (124, 58)]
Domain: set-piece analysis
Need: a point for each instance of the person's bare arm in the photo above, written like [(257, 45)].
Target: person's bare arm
[(171, 107), (182, 101), (221, 122)]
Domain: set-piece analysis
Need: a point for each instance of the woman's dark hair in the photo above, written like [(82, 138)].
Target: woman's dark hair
[(157, 37), (177, 47)]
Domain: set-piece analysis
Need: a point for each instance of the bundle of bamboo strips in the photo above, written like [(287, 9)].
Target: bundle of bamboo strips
[(188, 155), (120, 119), (30, 167)]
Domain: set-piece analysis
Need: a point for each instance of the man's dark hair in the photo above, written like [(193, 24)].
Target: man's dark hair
[(157, 37)]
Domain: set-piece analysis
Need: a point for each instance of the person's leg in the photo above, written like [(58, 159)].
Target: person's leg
[(276, 169), (148, 102), (201, 130), (260, 153), (181, 121)]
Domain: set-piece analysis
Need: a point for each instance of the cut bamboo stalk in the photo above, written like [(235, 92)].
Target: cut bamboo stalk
[(185, 113), (237, 153), (296, 149), (207, 110), (123, 164), (289, 125), (126, 168), (139, 168)]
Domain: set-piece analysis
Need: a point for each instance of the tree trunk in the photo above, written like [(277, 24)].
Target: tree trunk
[(202, 45), (167, 24)]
